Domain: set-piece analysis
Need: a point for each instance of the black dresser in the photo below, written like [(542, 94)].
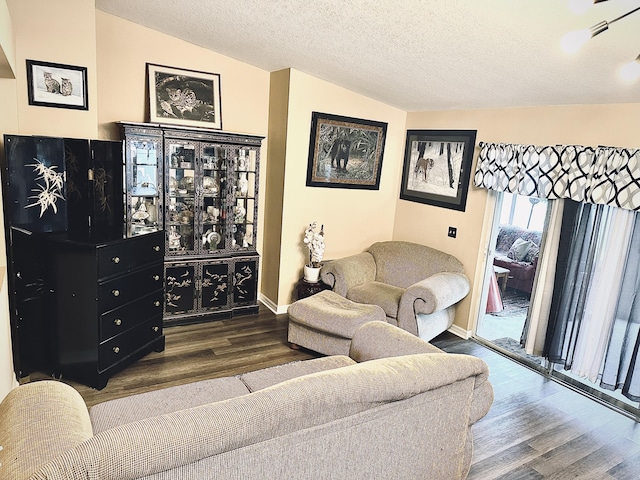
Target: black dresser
[(108, 299)]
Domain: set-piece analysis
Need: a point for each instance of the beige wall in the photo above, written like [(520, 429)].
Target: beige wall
[(353, 219), (273, 194), (58, 32), (124, 49), (8, 123), (614, 125), (7, 45)]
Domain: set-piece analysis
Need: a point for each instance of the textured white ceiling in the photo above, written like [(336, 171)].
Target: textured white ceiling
[(415, 54)]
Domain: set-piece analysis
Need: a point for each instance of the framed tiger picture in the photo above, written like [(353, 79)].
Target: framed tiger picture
[(184, 97)]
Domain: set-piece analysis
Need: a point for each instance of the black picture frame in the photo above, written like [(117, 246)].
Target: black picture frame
[(57, 85), (345, 152), (437, 167), (184, 97)]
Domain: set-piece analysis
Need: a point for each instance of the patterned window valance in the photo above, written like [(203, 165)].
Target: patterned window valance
[(603, 175)]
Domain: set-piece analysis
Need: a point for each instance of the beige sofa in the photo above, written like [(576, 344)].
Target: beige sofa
[(416, 286), (396, 408)]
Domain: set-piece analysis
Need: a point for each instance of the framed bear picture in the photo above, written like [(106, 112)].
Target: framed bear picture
[(345, 152)]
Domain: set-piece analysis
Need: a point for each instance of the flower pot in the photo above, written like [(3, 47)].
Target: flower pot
[(311, 274)]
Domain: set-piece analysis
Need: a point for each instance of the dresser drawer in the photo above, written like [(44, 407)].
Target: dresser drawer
[(128, 316), (121, 257), (121, 346), (125, 289)]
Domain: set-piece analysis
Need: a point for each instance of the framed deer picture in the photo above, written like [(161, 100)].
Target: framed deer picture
[(437, 167)]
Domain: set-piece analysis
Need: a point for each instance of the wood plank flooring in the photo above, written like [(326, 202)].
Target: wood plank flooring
[(538, 428), (535, 429), (202, 351)]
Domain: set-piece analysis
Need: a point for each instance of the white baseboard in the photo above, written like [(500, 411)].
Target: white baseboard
[(460, 332), (277, 309)]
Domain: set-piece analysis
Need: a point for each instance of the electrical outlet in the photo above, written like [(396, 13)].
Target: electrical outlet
[(453, 231)]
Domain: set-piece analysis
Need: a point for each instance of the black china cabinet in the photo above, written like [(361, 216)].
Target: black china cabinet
[(201, 187)]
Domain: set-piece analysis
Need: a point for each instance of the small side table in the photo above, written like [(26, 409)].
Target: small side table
[(305, 289), (502, 276)]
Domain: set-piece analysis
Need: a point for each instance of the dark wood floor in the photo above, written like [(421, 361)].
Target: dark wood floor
[(536, 427), (202, 351)]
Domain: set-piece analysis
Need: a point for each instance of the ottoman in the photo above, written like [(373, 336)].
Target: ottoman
[(325, 322)]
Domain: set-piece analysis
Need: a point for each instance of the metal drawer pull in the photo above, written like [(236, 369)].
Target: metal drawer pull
[(156, 248), (156, 277), (115, 293), (156, 303), (117, 321), (115, 259), (116, 349), (155, 328)]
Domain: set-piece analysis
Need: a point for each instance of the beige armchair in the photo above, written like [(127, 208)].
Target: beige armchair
[(416, 286)]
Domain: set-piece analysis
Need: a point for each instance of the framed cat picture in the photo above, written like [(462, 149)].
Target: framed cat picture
[(184, 97), (57, 85)]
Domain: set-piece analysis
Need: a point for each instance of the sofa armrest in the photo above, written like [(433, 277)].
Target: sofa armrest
[(437, 292), (482, 397), (347, 272), (377, 339), (38, 422), (433, 294)]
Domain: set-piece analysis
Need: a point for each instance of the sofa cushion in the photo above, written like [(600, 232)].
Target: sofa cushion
[(273, 375), (532, 254), (151, 404), (378, 293), (330, 313)]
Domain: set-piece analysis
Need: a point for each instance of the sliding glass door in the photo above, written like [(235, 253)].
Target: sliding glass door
[(578, 319), (516, 241)]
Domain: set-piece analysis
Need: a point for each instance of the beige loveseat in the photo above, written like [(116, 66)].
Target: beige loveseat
[(404, 412), (416, 286)]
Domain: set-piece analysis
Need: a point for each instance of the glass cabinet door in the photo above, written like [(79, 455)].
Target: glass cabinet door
[(213, 198), (244, 208), (144, 181), (180, 223)]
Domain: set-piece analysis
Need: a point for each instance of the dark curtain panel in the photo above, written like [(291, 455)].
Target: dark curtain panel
[(572, 281), (621, 366)]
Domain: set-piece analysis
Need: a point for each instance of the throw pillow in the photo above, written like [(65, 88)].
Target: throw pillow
[(519, 249), (532, 253)]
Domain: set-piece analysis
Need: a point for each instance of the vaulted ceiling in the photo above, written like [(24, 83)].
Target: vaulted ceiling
[(415, 54)]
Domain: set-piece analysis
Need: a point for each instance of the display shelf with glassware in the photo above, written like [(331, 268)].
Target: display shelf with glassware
[(143, 172), (210, 192)]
